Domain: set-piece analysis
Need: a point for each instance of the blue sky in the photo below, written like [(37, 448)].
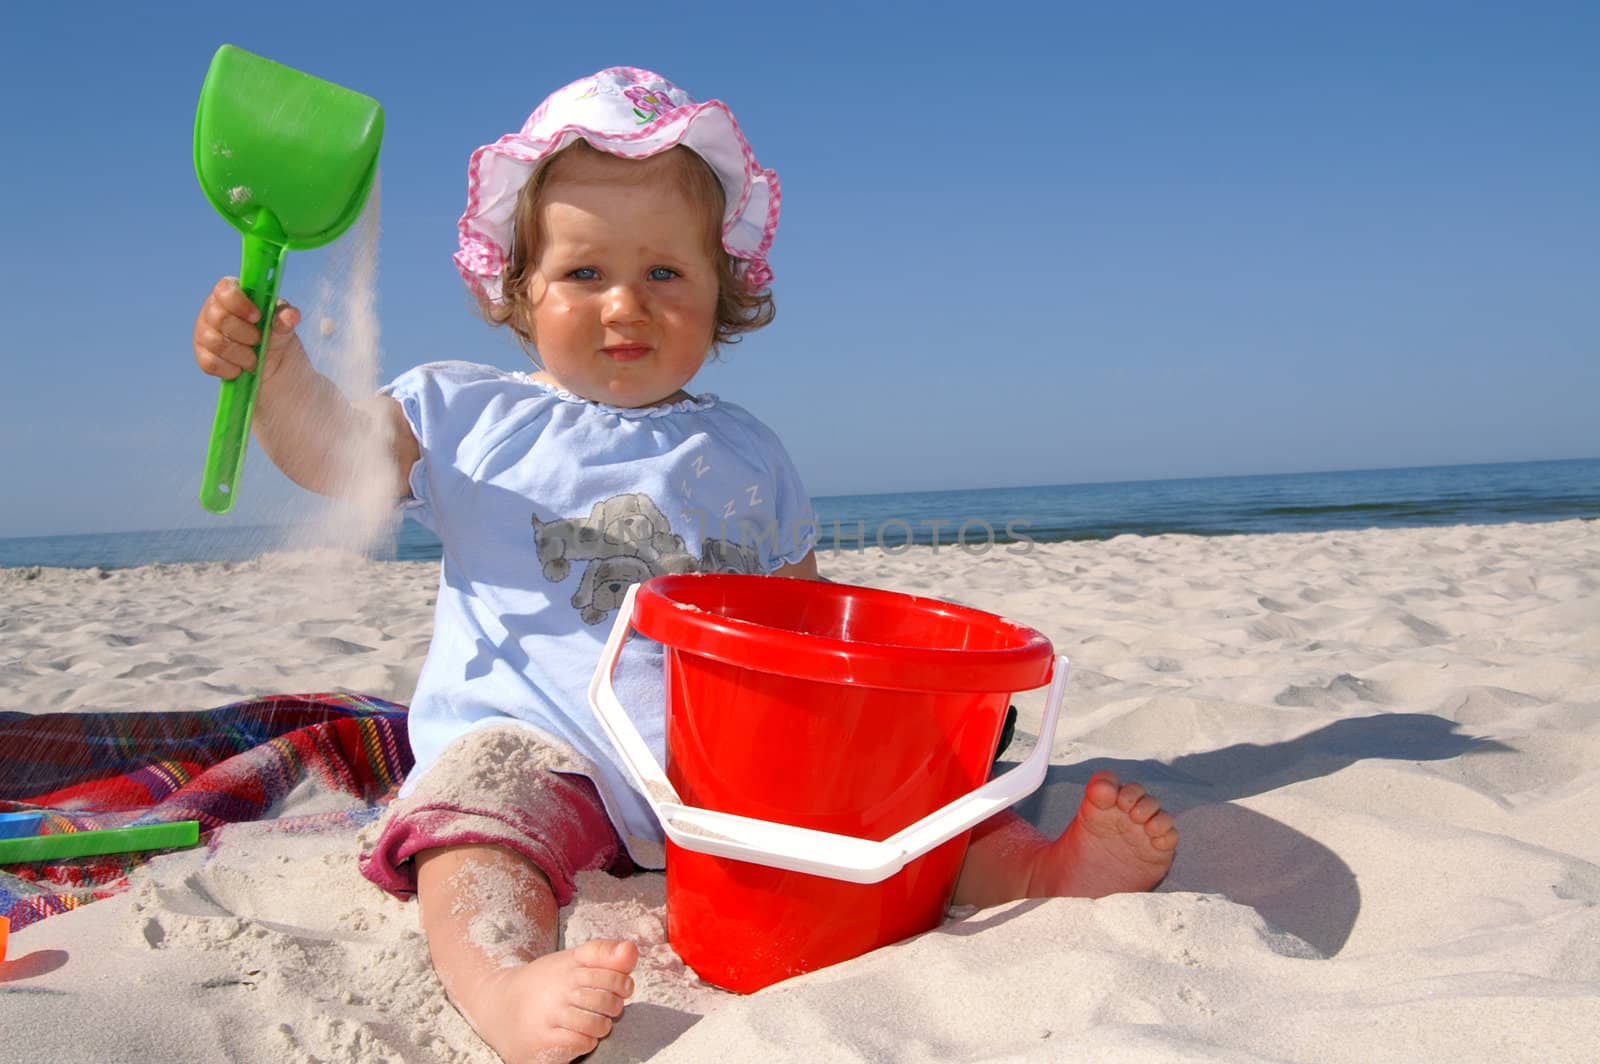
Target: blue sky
[(1021, 244)]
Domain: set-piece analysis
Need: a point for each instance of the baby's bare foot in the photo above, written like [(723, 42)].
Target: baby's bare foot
[(555, 1008), (1121, 840)]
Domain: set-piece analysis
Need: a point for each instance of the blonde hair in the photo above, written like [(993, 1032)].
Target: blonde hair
[(738, 310)]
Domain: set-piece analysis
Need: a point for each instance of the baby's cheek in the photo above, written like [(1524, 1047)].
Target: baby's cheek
[(698, 316)]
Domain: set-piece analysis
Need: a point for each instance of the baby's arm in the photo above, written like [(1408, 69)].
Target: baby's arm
[(320, 439)]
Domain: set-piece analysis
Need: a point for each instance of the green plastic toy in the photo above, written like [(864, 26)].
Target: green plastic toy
[(178, 835), (288, 160)]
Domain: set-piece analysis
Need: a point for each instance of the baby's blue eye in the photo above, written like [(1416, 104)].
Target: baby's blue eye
[(663, 273), (584, 273)]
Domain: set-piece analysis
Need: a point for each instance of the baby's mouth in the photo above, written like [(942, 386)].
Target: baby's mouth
[(626, 352)]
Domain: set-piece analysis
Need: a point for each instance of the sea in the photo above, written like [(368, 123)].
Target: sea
[(982, 519)]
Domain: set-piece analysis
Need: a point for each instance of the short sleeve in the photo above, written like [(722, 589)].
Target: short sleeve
[(795, 518), (445, 404)]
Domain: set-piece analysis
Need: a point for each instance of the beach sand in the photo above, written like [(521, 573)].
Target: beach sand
[(1382, 748)]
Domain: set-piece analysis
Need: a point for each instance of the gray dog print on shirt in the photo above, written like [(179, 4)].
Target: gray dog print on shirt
[(626, 540)]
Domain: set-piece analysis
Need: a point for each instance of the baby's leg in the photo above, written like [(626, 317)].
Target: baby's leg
[(490, 918), (1120, 841)]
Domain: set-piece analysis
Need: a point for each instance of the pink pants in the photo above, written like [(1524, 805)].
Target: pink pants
[(489, 788)]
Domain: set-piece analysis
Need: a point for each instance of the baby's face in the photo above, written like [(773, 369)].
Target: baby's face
[(623, 296)]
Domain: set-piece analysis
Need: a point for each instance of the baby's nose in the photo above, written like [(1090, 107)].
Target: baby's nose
[(624, 302)]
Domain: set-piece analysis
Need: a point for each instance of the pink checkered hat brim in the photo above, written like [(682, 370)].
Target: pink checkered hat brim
[(632, 113)]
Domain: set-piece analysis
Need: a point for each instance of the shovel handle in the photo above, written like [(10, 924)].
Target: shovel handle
[(230, 430)]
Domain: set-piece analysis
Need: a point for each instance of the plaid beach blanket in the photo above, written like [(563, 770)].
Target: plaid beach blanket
[(110, 770)]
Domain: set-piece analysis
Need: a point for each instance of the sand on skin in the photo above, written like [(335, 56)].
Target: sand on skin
[(1383, 749)]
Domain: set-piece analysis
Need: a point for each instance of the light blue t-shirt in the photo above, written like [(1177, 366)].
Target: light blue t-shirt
[(549, 506)]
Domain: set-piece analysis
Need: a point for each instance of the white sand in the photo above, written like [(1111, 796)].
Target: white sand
[(1383, 748)]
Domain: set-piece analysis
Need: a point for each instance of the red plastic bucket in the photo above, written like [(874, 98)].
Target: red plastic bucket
[(842, 709)]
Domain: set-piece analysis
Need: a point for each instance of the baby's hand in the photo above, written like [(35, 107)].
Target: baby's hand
[(226, 333)]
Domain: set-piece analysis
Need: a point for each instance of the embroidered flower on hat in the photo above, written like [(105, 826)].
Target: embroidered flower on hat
[(648, 104)]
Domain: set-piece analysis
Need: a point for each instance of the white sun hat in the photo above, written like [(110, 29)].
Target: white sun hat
[(631, 113)]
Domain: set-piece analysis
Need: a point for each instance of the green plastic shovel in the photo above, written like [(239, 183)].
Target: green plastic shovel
[(288, 160)]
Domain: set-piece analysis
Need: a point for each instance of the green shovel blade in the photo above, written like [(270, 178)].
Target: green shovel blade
[(287, 159)]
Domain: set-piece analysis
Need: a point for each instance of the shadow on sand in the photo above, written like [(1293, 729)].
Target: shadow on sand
[(28, 965), (649, 1030), (1295, 883)]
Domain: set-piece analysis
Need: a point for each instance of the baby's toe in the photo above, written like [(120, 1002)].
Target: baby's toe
[(1129, 796), (1103, 790), (1162, 831), (1142, 811), (608, 954), (568, 1045), (586, 1024), (604, 1002), (607, 980)]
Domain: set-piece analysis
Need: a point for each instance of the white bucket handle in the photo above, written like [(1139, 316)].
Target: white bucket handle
[(819, 853)]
